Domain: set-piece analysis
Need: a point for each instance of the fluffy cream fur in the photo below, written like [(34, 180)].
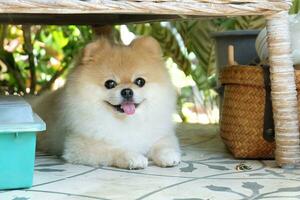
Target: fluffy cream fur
[(85, 129)]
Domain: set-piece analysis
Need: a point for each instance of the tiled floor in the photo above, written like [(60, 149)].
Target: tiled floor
[(206, 172)]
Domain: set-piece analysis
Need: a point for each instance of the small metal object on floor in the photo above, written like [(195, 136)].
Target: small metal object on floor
[(242, 166)]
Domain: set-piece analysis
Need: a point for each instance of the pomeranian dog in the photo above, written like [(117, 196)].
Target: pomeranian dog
[(114, 110)]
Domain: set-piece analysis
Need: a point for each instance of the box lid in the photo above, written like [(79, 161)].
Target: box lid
[(14, 109), (17, 115), (37, 125)]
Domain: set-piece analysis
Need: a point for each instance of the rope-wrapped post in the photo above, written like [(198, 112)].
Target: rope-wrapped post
[(284, 95)]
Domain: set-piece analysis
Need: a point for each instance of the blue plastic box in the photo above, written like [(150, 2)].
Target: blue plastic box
[(18, 127)]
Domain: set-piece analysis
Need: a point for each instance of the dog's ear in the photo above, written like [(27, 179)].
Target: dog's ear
[(95, 49), (148, 44)]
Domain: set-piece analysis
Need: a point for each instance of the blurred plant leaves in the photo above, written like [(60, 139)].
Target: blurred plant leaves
[(295, 7), (54, 49)]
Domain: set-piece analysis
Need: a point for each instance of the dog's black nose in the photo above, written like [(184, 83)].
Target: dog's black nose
[(127, 93)]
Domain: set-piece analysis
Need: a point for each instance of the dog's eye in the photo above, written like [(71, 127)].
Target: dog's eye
[(109, 84), (140, 82)]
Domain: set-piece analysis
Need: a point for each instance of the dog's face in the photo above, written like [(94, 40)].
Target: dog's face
[(125, 77)]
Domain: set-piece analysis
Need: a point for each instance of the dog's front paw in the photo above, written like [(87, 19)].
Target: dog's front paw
[(166, 158), (131, 160)]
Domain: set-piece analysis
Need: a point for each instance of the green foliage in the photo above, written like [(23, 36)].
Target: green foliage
[(168, 42), (52, 49), (296, 7)]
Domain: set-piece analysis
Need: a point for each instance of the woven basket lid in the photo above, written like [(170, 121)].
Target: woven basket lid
[(248, 75), (242, 75)]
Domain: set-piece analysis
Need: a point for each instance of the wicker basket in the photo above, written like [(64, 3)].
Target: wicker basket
[(243, 111)]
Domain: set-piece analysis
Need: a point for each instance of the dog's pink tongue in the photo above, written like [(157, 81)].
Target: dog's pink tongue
[(128, 107)]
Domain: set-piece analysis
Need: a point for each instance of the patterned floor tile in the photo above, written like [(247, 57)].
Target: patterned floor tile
[(207, 171)]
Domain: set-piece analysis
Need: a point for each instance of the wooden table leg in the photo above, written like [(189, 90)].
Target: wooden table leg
[(284, 95)]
